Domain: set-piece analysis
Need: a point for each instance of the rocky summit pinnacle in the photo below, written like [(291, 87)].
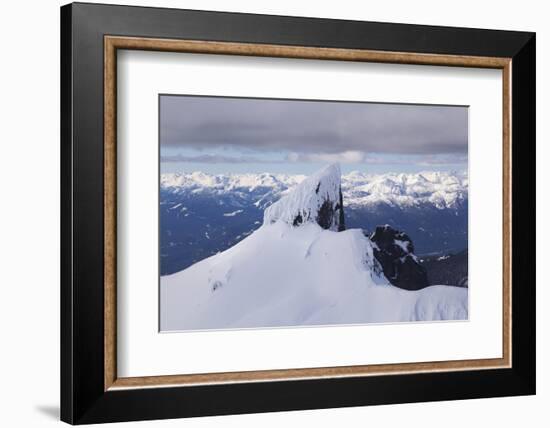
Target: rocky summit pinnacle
[(317, 198)]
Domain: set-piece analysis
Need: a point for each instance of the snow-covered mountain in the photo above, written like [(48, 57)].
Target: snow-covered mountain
[(296, 273), (202, 214), (440, 189)]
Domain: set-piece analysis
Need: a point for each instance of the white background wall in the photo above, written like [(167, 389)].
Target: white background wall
[(29, 212)]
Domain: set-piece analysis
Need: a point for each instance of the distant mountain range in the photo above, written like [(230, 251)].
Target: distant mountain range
[(203, 214)]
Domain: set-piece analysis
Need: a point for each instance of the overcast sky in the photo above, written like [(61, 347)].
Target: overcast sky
[(216, 134)]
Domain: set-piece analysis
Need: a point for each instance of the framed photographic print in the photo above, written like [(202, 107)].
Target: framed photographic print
[(265, 213)]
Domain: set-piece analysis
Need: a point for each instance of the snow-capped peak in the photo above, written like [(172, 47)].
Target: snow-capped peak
[(317, 199), (440, 189), (228, 182)]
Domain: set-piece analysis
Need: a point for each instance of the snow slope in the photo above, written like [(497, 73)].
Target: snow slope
[(295, 276)]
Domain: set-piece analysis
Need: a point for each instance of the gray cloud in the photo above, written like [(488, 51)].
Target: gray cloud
[(312, 126), (352, 157), (213, 159), (349, 157)]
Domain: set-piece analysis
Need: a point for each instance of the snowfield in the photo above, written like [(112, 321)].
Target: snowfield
[(297, 276)]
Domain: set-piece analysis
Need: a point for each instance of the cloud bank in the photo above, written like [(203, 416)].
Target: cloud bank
[(310, 131)]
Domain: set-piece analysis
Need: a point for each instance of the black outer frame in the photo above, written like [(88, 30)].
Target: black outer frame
[(83, 399)]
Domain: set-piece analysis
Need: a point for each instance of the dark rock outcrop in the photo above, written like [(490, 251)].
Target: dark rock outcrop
[(331, 213), (394, 251)]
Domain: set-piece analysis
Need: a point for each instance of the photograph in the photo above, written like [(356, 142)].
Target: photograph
[(294, 213)]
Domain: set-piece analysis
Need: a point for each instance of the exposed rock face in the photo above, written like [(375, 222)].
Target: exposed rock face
[(316, 199), (394, 251)]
